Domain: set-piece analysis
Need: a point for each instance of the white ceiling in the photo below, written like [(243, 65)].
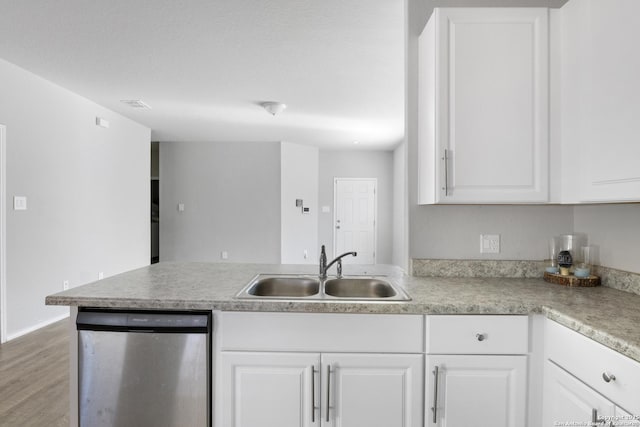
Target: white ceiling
[(205, 65)]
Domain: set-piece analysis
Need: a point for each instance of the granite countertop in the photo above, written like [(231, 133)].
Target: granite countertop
[(608, 316)]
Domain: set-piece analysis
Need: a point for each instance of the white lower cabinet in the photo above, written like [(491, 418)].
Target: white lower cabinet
[(319, 370), (312, 389), (585, 382), (373, 390), (570, 402), (477, 391), (269, 389), (476, 371)]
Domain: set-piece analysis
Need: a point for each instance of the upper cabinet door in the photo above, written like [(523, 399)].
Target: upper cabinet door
[(601, 89), (484, 106)]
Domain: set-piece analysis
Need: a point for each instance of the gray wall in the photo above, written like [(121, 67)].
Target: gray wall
[(453, 232), (358, 164), (231, 193), (299, 180), (400, 233), (87, 192), (615, 230)]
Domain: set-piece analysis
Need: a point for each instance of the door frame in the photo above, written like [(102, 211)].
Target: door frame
[(3, 234), (375, 214)]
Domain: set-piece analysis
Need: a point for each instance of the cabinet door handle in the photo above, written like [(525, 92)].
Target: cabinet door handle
[(434, 408), (313, 394), (446, 172), (328, 389), (481, 337), (595, 421)]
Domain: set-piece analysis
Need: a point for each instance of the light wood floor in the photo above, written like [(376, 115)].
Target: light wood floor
[(34, 378)]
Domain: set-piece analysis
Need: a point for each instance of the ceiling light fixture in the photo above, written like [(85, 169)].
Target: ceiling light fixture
[(136, 103), (356, 142), (273, 108)]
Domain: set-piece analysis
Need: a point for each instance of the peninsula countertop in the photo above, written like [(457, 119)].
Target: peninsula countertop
[(608, 316)]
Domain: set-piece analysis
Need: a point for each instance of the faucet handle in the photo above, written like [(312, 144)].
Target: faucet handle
[(339, 268)]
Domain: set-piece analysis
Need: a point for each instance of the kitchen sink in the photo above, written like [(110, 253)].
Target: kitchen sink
[(292, 287), (312, 288), (356, 287)]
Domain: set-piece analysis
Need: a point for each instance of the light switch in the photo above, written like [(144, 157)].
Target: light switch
[(180, 207), (19, 203), (103, 123), (326, 209)]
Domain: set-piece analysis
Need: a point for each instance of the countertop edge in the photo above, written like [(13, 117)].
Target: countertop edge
[(592, 332), (598, 335)]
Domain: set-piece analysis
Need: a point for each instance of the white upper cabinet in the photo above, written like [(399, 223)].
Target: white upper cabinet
[(600, 92), (484, 106)]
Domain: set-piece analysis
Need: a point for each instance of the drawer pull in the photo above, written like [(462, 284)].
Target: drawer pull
[(481, 337), (607, 377)]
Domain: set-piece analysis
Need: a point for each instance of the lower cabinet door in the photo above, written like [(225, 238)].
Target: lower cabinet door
[(479, 391), (372, 390), (568, 401), (269, 389)]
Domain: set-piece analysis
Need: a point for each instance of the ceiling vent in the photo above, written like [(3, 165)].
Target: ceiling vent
[(136, 103)]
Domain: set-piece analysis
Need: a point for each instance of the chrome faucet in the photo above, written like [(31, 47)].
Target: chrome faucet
[(324, 266)]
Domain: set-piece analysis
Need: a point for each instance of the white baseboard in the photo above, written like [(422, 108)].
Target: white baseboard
[(36, 327)]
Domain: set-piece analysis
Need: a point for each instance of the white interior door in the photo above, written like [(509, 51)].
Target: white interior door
[(355, 219), (3, 237)]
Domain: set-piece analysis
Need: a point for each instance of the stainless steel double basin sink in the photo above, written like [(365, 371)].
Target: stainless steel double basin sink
[(309, 287)]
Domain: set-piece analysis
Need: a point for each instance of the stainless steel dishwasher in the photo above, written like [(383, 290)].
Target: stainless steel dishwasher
[(144, 368)]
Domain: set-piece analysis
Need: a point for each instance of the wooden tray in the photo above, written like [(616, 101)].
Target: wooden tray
[(571, 280)]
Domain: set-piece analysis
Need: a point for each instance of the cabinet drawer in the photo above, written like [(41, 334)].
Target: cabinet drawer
[(477, 334), (322, 332), (590, 361)]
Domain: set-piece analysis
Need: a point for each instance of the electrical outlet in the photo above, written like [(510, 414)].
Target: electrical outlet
[(305, 254), (100, 275), (19, 203), (65, 285), (224, 255), (489, 243)]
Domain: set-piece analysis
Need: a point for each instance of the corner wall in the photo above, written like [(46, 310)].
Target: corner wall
[(615, 231), (87, 192), (400, 256), (231, 197), (299, 180)]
